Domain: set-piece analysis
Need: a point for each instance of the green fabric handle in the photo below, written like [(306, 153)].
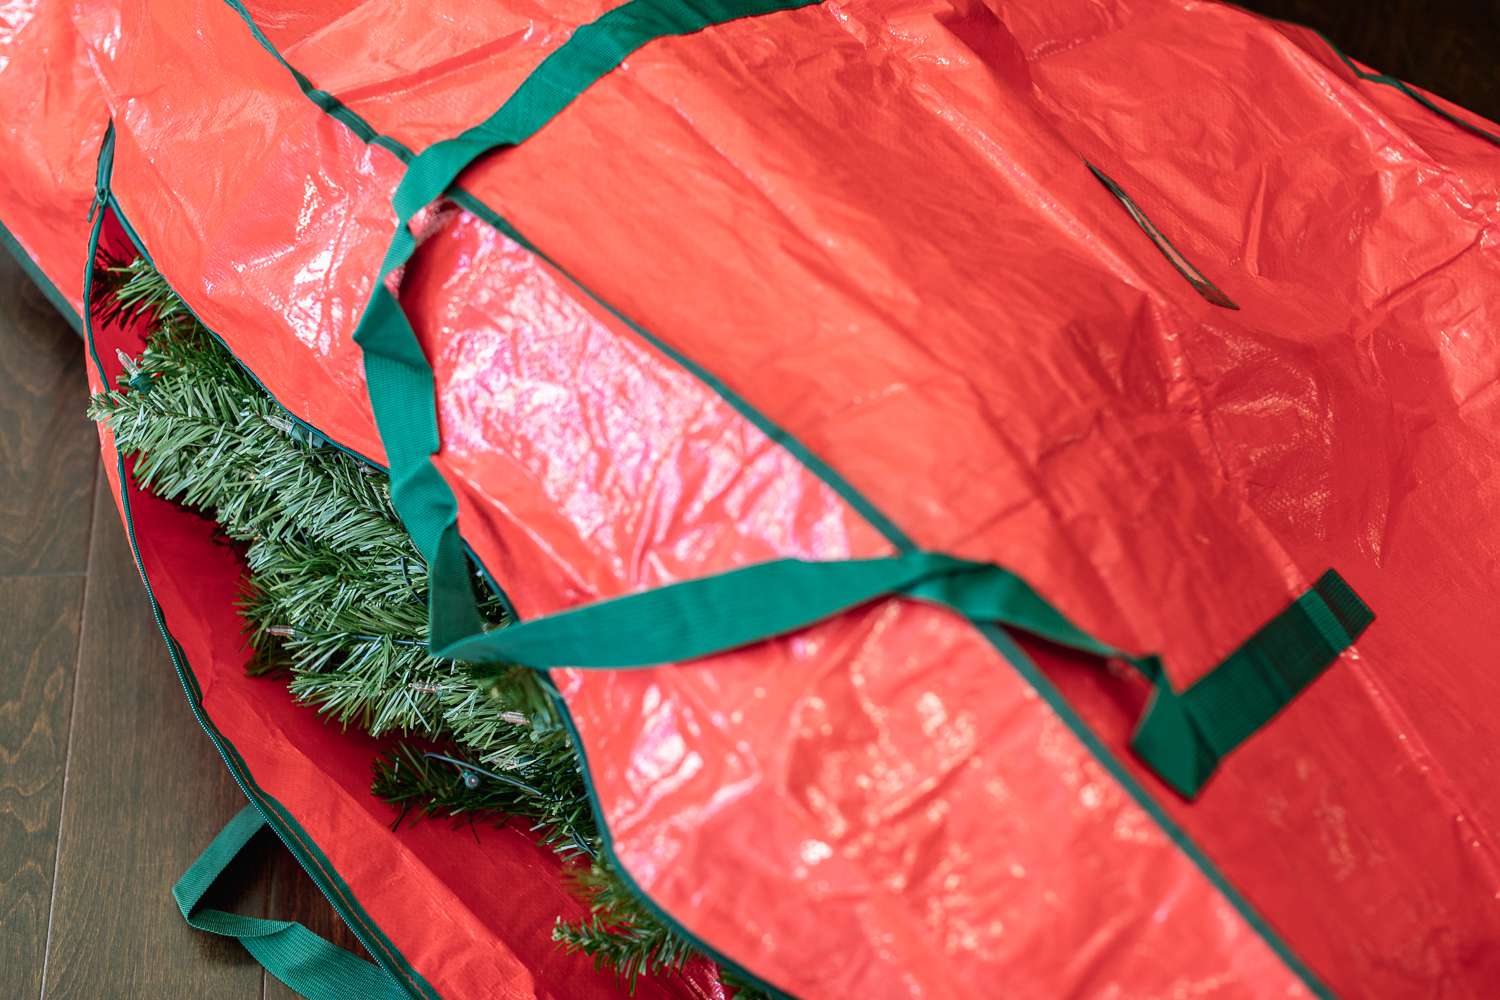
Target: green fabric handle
[(1182, 735), (306, 963), (683, 621), (1196, 278), (400, 380), (591, 52)]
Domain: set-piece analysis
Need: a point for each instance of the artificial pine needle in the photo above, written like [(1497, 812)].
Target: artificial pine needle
[(336, 597)]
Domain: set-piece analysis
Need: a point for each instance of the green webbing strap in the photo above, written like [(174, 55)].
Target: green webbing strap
[(1182, 734), (307, 964), (400, 380), (683, 621), (1246, 690), (1168, 249)]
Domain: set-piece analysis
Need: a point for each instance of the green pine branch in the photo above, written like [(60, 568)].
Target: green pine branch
[(335, 597), (621, 933)]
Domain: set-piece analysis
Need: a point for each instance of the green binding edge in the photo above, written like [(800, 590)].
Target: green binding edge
[(39, 277), (1405, 88), (1200, 281), (1001, 640), (290, 832)]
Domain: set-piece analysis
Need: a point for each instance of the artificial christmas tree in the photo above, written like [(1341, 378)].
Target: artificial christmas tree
[(336, 598)]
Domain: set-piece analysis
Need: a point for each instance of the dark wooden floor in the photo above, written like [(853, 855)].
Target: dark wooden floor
[(108, 788)]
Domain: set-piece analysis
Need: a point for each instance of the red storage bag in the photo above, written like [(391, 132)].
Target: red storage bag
[(914, 436)]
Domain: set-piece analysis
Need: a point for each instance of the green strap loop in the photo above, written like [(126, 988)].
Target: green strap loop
[(306, 963), (1196, 278), (1182, 735)]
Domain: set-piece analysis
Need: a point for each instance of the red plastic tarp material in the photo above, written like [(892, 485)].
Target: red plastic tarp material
[(874, 224), (52, 118)]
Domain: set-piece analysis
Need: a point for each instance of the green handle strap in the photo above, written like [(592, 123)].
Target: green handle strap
[(400, 380), (589, 53), (306, 963), (694, 618), (1182, 735), (1196, 278)]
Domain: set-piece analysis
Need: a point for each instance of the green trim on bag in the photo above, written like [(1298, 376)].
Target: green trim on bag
[(302, 846), (1003, 643), (607, 846), (329, 104), (309, 965), (1405, 88), (39, 277), (1180, 746)]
